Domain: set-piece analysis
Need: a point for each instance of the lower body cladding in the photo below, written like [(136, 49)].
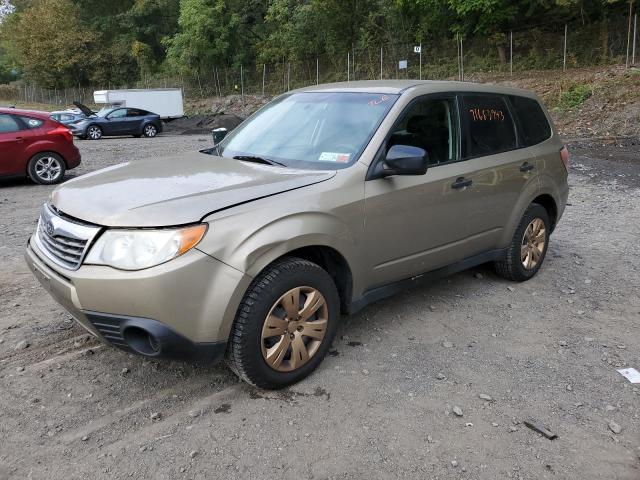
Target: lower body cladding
[(181, 310)]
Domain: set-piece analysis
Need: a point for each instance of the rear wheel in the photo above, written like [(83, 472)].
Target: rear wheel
[(94, 132), (284, 325), (150, 130), (46, 168), (528, 246)]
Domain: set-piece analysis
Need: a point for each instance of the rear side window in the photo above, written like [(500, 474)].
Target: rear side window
[(31, 122), (8, 124), (533, 122), (489, 123)]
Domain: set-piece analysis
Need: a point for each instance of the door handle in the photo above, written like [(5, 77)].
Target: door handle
[(19, 139), (527, 167), (461, 182)]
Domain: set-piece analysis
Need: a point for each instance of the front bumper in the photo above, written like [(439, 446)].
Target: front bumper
[(188, 303)]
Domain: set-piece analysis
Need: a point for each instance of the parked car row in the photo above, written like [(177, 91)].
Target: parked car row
[(39, 145), (34, 145)]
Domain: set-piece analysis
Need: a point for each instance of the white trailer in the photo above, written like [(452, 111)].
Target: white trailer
[(166, 102)]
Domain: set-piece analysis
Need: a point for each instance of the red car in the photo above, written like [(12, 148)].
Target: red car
[(33, 145)]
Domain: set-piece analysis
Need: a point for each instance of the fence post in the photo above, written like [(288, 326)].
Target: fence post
[(264, 76), (317, 70), (635, 29), (511, 52), (629, 33), (381, 49), (288, 76), (241, 83), (564, 54), (461, 61), (348, 62)]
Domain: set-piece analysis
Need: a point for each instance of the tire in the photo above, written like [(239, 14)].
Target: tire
[(93, 132), (257, 351), (521, 262), (150, 130), (46, 168)]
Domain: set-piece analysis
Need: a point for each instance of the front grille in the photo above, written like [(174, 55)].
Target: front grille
[(63, 240), (65, 249)]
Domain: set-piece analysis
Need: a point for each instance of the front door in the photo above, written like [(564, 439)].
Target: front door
[(417, 223), (116, 123)]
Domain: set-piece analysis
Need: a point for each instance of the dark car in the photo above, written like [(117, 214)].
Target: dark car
[(34, 145), (67, 117), (116, 121)]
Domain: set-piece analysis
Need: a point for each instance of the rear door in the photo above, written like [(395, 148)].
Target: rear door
[(12, 145), (500, 168), (135, 117)]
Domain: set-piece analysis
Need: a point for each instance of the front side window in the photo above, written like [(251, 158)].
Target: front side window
[(489, 124), (8, 124), (318, 130), (121, 112), (429, 124), (533, 122)]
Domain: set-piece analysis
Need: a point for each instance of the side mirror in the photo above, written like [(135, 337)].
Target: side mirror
[(218, 135), (402, 160)]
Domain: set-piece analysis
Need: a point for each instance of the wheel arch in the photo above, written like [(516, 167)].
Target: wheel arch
[(334, 263), (549, 204)]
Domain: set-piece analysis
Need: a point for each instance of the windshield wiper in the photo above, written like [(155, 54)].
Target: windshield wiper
[(256, 159)]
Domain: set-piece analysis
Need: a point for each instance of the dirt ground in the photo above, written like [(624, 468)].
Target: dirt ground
[(381, 405)]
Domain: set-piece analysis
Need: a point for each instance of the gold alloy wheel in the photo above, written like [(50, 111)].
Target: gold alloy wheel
[(533, 242), (294, 329)]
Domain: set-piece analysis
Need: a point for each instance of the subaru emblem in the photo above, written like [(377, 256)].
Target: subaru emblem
[(49, 228)]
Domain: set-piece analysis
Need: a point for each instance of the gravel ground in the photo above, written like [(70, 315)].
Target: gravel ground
[(383, 404)]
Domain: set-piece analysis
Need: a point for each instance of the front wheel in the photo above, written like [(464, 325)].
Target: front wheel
[(94, 132), (528, 246), (285, 324), (46, 168)]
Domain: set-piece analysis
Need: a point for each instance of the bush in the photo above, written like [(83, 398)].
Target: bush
[(574, 96)]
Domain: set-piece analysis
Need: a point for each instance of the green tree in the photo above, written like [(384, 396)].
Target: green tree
[(50, 44), (206, 31)]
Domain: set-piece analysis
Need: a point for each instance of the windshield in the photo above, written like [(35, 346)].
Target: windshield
[(326, 130), (104, 111)]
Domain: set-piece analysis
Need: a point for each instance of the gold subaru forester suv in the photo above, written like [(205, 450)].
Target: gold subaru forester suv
[(325, 200)]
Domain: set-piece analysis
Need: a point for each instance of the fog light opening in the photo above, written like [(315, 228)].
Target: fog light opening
[(141, 341)]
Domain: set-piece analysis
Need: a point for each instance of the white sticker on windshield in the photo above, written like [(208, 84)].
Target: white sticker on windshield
[(334, 157)]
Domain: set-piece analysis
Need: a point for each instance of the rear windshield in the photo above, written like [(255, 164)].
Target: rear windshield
[(533, 122), (325, 130)]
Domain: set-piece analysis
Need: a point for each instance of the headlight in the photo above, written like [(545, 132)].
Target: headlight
[(138, 249)]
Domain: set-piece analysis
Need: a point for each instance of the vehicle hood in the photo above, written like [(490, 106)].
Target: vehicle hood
[(174, 190), (84, 109)]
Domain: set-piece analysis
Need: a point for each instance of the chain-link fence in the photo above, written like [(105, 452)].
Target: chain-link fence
[(550, 46)]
